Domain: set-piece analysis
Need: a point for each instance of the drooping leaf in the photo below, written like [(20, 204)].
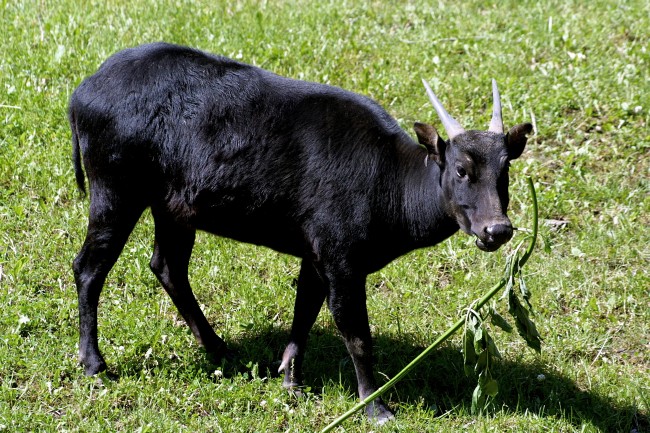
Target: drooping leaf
[(478, 400), (492, 347), (498, 320), (525, 293), (481, 362), (491, 388), (486, 387), (525, 327), (479, 343), (508, 268), (508, 286), (469, 355)]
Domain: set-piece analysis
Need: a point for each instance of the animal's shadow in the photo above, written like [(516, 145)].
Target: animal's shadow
[(438, 382)]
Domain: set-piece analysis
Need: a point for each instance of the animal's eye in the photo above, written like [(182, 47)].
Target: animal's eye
[(460, 171)]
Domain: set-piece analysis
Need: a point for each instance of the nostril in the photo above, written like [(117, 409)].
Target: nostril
[(499, 231)]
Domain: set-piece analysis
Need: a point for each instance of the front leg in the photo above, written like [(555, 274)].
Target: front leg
[(309, 299), (347, 302)]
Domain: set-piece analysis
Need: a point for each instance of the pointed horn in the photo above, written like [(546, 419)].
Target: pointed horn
[(452, 127), (496, 124)]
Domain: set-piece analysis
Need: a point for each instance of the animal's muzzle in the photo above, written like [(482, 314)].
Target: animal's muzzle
[(494, 236)]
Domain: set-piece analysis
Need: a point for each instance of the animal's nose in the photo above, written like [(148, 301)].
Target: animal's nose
[(499, 233)]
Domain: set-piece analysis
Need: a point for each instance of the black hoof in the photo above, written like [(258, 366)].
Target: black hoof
[(93, 365), (378, 413), (221, 353)]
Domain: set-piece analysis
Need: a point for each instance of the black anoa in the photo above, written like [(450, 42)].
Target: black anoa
[(307, 169)]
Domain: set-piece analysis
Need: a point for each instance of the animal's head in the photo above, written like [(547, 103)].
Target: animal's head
[(474, 171)]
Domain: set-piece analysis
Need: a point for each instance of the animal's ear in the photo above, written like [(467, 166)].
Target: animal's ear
[(429, 138), (516, 139)]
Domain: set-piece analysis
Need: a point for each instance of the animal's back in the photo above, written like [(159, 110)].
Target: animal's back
[(229, 147), (153, 94)]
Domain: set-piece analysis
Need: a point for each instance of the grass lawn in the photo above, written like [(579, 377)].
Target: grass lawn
[(578, 70)]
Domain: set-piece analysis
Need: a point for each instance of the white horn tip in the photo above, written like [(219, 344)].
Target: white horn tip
[(496, 124), (452, 127)]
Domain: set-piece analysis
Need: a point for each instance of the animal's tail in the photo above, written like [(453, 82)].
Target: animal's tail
[(76, 156)]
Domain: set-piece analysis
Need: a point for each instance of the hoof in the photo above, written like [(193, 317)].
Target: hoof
[(292, 377), (378, 413), (221, 353), (295, 390), (93, 365)]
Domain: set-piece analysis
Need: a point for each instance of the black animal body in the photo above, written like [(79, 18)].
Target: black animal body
[(307, 169)]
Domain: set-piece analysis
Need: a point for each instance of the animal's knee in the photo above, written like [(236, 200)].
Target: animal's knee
[(77, 264), (157, 263), (80, 267)]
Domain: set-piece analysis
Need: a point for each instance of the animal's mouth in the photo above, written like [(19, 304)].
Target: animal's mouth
[(493, 236), (487, 245)]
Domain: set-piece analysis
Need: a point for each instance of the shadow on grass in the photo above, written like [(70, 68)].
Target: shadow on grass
[(438, 383)]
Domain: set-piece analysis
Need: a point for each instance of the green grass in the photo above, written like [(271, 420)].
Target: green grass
[(580, 70)]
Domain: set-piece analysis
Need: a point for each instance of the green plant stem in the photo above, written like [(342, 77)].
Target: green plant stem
[(455, 327)]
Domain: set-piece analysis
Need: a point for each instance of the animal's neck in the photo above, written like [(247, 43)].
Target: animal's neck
[(410, 208), (423, 209)]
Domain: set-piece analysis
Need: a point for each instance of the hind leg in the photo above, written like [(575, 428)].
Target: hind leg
[(170, 260), (109, 226)]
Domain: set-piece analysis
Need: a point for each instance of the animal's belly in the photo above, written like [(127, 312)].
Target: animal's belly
[(261, 227)]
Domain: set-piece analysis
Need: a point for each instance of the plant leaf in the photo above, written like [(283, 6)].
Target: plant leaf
[(492, 347), (479, 343), (491, 387), (478, 400), (525, 327), (524, 291), (498, 320), (469, 354), (481, 362)]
